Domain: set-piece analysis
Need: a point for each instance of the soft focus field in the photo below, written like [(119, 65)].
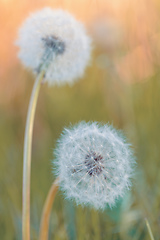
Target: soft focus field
[(121, 86)]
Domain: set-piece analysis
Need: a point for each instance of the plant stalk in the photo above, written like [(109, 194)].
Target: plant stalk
[(44, 227), (149, 229), (27, 158)]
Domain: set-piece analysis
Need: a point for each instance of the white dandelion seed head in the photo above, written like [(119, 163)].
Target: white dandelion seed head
[(56, 41), (94, 163)]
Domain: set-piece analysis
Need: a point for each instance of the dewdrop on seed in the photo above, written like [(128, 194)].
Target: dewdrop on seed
[(94, 164), (55, 41)]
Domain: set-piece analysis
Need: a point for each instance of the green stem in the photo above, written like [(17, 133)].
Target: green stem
[(44, 227), (149, 229), (27, 158)]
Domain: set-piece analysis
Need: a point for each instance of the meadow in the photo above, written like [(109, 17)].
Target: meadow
[(121, 87)]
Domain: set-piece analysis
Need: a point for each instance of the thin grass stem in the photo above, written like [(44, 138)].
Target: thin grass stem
[(44, 226), (149, 229), (27, 158)]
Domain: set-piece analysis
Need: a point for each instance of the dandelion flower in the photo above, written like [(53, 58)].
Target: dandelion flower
[(94, 164), (53, 40)]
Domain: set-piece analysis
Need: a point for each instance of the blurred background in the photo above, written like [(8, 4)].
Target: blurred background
[(121, 86)]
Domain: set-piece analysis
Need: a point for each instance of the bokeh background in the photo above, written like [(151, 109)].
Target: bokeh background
[(121, 86)]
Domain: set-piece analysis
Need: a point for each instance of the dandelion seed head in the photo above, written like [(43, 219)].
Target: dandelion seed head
[(56, 41), (95, 164), (54, 44)]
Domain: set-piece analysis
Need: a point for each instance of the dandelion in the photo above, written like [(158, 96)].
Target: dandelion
[(56, 47), (54, 41), (94, 164)]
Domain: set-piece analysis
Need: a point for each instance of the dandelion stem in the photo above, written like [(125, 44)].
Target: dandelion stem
[(149, 229), (27, 158), (43, 234)]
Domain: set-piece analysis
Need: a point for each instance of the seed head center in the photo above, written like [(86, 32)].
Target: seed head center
[(54, 44), (94, 163)]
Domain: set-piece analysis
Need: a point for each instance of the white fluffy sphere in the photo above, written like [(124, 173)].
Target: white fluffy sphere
[(55, 41), (94, 164)]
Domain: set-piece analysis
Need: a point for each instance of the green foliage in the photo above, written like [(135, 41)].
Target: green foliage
[(98, 97)]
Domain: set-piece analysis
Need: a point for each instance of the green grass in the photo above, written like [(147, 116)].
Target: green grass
[(97, 97)]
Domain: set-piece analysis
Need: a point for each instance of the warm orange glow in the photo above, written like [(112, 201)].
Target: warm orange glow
[(138, 19)]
